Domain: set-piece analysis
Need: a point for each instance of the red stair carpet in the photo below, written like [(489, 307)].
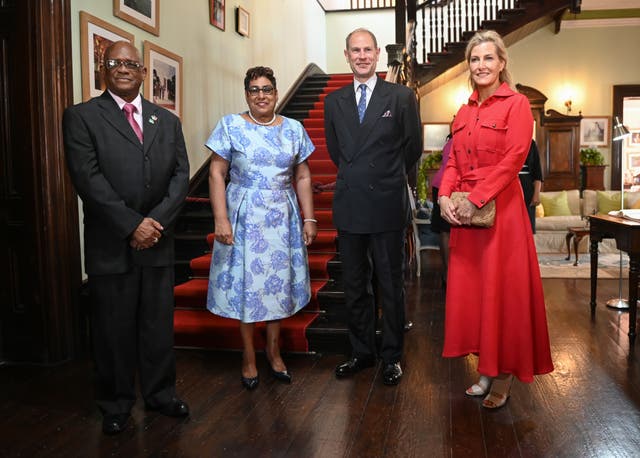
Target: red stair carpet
[(195, 326)]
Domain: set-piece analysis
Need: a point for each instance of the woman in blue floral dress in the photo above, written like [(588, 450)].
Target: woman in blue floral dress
[(259, 269)]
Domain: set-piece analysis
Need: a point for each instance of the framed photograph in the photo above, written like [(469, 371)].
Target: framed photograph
[(163, 84), (95, 37), (141, 13), (216, 13), (633, 140), (242, 21), (594, 131), (434, 135), (633, 161)]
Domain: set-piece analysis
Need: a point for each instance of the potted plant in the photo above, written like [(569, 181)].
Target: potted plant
[(591, 156), (428, 167), (592, 169)]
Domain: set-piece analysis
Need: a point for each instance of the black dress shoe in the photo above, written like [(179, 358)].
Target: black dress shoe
[(408, 325), (114, 423), (174, 408), (282, 376), (250, 383), (392, 374), (354, 365)]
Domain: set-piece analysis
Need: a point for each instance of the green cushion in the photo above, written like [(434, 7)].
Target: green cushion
[(608, 201), (556, 205)]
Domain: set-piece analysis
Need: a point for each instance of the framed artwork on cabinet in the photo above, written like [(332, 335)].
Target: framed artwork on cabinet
[(434, 135), (633, 141), (163, 84), (242, 21), (95, 37), (216, 13), (594, 131), (141, 13)]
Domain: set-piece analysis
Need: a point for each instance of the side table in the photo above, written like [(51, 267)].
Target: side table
[(577, 233)]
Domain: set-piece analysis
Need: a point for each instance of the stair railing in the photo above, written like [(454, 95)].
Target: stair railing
[(445, 21), (309, 70)]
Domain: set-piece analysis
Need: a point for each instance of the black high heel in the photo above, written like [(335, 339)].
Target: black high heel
[(250, 383), (282, 376)]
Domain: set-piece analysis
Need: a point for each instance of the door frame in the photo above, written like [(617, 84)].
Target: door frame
[(619, 93), (46, 328)]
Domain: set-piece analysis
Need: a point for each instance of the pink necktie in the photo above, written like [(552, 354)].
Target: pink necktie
[(129, 109)]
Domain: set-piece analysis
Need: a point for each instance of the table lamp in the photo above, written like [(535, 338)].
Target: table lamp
[(619, 133)]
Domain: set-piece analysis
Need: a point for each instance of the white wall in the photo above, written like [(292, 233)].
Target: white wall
[(338, 26)]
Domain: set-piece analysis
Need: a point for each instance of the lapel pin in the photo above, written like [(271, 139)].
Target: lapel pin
[(153, 119)]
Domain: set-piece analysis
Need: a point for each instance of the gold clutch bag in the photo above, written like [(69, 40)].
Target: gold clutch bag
[(483, 217)]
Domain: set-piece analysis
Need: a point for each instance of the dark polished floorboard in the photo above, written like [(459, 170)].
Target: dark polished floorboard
[(589, 407)]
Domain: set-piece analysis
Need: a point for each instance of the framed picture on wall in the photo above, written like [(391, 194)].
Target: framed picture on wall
[(633, 140), (633, 161), (434, 135), (216, 13), (163, 84), (594, 131), (95, 37), (141, 13), (242, 21)]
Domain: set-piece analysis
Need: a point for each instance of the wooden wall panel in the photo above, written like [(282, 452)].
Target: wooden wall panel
[(562, 151)]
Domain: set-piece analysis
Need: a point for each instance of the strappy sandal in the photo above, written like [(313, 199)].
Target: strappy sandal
[(499, 394), (481, 388)]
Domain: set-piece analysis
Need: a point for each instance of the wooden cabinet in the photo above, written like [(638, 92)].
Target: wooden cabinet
[(592, 177), (558, 139)]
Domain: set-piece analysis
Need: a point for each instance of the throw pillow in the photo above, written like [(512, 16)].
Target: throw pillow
[(555, 205), (608, 201)]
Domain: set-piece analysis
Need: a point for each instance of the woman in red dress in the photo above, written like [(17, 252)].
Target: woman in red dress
[(495, 304)]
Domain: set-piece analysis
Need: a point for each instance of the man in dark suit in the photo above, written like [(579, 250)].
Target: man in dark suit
[(128, 162), (374, 136)]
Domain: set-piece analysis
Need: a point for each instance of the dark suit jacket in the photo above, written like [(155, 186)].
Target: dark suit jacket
[(121, 181), (373, 158)]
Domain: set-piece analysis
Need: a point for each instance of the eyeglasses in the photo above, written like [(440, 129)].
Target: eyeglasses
[(115, 63), (255, 90)]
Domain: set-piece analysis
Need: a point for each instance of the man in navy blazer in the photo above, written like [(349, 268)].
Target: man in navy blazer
[(374, 137), (128, 162)]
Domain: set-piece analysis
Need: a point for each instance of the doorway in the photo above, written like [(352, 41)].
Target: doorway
[(39, 241)]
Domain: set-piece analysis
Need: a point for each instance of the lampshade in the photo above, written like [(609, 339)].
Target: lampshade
[(620, 131)]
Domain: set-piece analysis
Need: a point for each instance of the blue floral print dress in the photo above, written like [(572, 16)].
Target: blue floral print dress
[(264, 275)]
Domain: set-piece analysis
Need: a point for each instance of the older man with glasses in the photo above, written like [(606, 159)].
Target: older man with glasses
[(128, 162)]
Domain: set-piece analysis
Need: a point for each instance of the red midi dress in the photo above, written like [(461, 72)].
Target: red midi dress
[(494, 303)]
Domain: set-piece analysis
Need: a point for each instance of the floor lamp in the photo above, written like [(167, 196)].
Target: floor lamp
[(619, 133)]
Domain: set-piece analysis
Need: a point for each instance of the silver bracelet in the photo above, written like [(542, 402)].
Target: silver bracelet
[(310, 220)]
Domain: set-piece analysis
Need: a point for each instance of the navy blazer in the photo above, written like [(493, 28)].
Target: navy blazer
[(373, 158), (122, 181)]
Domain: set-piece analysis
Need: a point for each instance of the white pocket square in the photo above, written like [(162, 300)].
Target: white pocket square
[(387, 114)]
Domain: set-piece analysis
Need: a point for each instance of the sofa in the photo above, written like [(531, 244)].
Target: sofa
[(553, 217)]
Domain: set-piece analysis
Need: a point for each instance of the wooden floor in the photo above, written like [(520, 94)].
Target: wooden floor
[(588, 407)]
